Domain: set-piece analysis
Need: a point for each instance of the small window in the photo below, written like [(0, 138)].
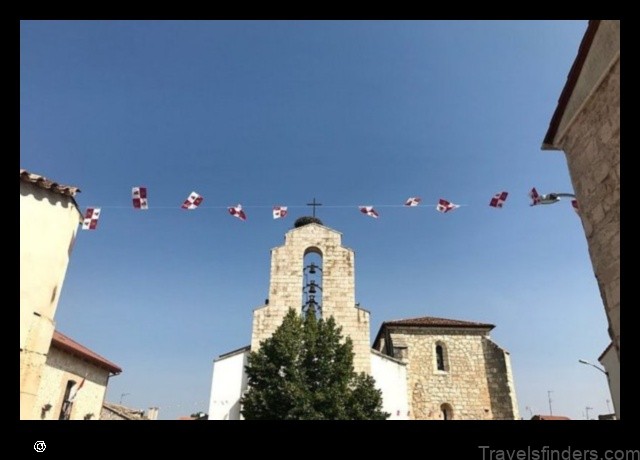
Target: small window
[(442, 358)]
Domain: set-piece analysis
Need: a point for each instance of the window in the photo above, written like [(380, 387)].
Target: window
[(447, 411), (442, 364), (67, 404), (440, 357)]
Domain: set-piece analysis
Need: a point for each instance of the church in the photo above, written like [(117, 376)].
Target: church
[(426, 368)]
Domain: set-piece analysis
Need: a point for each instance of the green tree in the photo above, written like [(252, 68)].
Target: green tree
[(304, 371)]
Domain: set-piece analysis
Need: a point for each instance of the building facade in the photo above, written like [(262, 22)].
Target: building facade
[(454, 369), (49, 218), (74, 381), (313, 270), (586, 126)]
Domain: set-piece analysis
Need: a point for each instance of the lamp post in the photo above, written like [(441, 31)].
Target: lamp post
[(122, 396), (547, 198), (582, 361), (587, 409)]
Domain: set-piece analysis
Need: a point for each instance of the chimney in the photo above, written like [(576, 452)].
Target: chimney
[(152, 413)]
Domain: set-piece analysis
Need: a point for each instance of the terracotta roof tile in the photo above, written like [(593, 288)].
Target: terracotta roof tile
[(47, 184), (124, 412), (549, 417), (64, 343), (430, 321)]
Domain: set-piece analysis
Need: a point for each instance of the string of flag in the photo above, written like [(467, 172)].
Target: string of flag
[(139, 197)]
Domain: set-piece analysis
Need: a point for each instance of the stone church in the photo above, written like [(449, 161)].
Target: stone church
[(426, 368)]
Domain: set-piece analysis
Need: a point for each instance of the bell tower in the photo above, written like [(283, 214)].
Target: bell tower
[(326, 283)]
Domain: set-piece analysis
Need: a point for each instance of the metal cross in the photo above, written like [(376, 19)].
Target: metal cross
[(314, 204)]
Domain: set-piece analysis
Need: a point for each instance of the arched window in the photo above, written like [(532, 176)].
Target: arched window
[(442, 363), (312, 281), (446, 411)]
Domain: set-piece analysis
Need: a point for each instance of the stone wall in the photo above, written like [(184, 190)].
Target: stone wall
[(59, 369), (592, 147), (338, 288), (502, 395), (465, 385)]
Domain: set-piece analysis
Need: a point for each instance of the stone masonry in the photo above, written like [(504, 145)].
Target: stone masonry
[(476, 383), (586, 126), (338, 288), (592, 146)]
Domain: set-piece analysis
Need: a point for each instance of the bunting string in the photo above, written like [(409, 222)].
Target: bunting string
[(194, 202)]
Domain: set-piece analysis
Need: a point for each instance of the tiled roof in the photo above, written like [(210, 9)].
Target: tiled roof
[(549, 417), (572, 79), (430, 321), (47, 184), (124, 412), (64, 343)]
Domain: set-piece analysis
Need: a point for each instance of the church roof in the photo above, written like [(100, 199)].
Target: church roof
[(424, 322), (64, 343), (431, 321)]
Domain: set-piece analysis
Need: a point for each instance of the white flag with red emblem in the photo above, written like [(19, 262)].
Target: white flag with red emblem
[(192, 201), (91, 217), (139, 197), (446, 206), (369, 211), (238, 212), (498, 199), (413, 201), (279, 212)]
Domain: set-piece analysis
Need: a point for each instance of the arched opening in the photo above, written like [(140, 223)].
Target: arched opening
[(312, 281), (446, 411), (442, 358)]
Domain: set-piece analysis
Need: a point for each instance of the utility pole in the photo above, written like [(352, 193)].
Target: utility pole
[(608, 408), (586, 410), (549, 396), (530, 412), (122, 396)]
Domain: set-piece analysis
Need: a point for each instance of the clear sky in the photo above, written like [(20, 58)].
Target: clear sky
[(278, 112)]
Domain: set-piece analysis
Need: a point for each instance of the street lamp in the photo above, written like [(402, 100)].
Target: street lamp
[(122, 396), (582, 361), (549, 198)]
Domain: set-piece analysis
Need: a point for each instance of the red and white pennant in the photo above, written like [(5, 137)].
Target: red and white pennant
[(446, 206), (574, 204), (238, 212), (192, 201), (91, 217), (139, 197), (498, 199), (413, 201), (369, 211), (279, 212)]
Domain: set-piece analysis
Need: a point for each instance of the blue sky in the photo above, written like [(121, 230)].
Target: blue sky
[(278, 112)]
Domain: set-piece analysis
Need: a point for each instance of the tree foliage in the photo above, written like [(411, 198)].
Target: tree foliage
[(304, 371)]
